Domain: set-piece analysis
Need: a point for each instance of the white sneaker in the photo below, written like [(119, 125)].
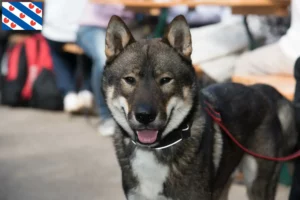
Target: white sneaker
[(85, 99), (107, 127), (71, 103)]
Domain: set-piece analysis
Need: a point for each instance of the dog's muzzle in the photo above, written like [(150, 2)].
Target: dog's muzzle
[(176, 136)]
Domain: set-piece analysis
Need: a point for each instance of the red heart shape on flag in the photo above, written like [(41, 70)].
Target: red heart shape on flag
[(6, 20), (38, 11), (13, 25), (32, 23), (22, 15), (31, 6), (11, 8)]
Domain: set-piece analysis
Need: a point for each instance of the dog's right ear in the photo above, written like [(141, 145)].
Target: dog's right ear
[(117, 38)]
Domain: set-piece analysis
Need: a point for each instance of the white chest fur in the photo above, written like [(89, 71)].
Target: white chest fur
[(151, 176)]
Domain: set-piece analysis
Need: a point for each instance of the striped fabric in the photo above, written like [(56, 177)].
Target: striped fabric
[(22, 15)]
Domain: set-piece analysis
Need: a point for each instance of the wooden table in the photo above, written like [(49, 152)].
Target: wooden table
[(244, 7), (284, 84), (277, 7)]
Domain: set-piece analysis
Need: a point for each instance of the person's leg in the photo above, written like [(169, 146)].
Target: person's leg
[(85, 64), (63, 65), (295, 190), (92, 40), (264, 61), (62, 69), (85, 95)]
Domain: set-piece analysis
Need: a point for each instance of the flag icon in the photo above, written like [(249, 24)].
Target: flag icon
[(22, 15)]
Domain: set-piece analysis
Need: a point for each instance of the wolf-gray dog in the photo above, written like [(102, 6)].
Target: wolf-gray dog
[(167, 145)]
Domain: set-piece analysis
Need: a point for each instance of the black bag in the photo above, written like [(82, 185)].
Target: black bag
[(30, 80)]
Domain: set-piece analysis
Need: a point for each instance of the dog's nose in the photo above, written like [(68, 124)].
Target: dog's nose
[(145, 114)]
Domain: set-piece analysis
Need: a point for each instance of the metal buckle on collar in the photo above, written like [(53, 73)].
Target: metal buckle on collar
[(186, 128)]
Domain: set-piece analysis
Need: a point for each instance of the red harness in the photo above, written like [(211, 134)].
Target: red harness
[(217, 118)]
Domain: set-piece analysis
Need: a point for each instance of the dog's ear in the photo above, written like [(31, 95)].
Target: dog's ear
[(178, 35), (117, 38)]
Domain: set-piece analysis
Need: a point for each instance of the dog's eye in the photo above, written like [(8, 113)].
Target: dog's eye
[(165, 80), (130, 80)]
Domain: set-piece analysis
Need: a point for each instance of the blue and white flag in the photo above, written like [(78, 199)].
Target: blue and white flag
[(22, 15)]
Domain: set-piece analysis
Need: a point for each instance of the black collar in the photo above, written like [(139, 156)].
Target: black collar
[(177, 135)]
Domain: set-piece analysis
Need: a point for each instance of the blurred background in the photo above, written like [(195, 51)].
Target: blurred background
[(55, 127)]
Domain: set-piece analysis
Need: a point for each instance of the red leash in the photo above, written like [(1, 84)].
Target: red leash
[(217, 118)]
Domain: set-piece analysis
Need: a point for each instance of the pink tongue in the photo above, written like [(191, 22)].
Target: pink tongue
[(147, 136)]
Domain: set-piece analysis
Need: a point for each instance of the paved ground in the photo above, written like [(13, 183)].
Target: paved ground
[(50, 156)]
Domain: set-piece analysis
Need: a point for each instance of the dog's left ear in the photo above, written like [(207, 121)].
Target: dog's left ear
[(117, 38), (178, 35)]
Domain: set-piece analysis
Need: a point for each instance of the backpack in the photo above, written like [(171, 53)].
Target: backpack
[(29, 79)]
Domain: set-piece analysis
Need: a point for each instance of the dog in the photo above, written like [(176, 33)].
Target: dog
[(167, 145)]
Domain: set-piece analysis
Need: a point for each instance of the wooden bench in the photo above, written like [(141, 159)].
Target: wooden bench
[(73, 49), (284, 84), (69, 47), (17, 38), (277, 7)]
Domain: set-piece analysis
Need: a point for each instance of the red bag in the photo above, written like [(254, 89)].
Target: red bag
[(30, 79)]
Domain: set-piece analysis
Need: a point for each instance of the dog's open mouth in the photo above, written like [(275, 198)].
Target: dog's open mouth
[(147, 136)]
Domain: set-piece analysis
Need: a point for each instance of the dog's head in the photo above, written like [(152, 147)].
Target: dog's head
[(149, 85)]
